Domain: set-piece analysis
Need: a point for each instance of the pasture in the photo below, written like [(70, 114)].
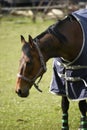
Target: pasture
[(40, 111)]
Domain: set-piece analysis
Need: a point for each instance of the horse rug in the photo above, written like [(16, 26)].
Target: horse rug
[(70, 78)]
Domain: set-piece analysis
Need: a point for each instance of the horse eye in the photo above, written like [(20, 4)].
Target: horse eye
[(28, 62)]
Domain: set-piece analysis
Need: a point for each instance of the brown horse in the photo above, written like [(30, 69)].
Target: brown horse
[(66, 42)]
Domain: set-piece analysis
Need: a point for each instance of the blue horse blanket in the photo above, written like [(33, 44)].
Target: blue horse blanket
[(71, 79)]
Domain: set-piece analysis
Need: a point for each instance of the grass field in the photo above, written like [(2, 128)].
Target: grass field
[(40, 111)]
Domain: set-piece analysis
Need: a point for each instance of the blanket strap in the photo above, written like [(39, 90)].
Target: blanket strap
[(69, 78)]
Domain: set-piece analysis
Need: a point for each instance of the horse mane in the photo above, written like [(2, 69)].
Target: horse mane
[(53, 29), (41, 35)]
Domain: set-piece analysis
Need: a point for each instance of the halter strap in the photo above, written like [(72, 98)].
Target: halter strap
[(40, 55)]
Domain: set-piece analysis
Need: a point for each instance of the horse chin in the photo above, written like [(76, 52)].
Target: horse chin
[(24, 95)]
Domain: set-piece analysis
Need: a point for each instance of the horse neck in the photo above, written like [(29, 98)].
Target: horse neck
[(50, 47)]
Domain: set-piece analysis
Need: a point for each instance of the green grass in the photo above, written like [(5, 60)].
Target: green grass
[(40, 111)]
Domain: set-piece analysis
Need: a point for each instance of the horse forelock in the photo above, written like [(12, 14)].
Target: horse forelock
[(26, 50)]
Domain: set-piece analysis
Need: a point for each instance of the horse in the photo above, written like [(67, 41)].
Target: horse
[(63, 40)]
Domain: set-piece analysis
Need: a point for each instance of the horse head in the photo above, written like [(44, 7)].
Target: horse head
[(31, 67)]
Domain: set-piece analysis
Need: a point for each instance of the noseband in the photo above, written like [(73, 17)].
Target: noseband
[(43, 67)]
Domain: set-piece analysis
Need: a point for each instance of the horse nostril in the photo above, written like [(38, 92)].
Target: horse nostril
[(19, 92)]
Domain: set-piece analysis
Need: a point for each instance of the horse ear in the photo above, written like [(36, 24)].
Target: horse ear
[(22, 39), (31, 41)]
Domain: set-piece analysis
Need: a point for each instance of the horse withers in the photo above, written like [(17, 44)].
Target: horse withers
[(66, 42)]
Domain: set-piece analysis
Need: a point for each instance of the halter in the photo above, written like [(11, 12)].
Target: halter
[(43, 67)]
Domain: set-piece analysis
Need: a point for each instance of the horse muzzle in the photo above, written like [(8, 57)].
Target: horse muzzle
[(22, 94)]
